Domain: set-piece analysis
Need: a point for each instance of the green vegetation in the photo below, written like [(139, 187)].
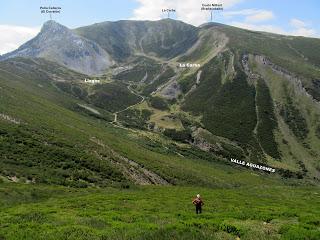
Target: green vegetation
[(216, 102), (135, 118), (184, 135), (267, 122), (113, 96), (265, 212), (293, 149), (274, 46), (161, 79), (221, 146), (166, 38), (201, 51), (187, 82), (51, 132), (308, 47), (144, 67), (318, 131), (42, 68), (315, 90), (173, 39), (158, 103), (73, 89), (295, 120), (39, 154), (290, 53), (75, 170)]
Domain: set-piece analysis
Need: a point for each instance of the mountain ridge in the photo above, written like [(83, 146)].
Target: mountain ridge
[(252, 95), (57, 43)]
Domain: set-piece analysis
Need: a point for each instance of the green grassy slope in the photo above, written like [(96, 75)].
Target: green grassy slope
[(262, 212), (254, 125), (112, 96), (291, 53), (216, 102), (260, 109), (109, 96), (55, 142), (142, 66), (50, 143), (267, 120), (297, 118)]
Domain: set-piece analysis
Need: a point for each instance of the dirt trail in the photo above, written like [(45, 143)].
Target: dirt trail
[(131, 106), (252, 79)]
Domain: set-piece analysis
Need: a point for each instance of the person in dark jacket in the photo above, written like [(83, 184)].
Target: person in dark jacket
[(198, 203)]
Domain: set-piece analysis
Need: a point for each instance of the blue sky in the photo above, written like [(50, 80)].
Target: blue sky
[(21, 20), (74, 12)]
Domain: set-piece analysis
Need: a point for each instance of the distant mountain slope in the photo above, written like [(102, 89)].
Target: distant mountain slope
[(298, 55), (251, 95), (262, 92), (58, 43), (165, 38)]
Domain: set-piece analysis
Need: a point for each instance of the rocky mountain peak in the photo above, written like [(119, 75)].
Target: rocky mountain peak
[(53, 29), (53, 26), (58, 43)]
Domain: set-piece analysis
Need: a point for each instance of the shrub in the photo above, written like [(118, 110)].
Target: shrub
[(183, 135), (158, 103)]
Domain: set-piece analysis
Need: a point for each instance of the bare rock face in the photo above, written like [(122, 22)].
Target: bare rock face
[(57, 43)]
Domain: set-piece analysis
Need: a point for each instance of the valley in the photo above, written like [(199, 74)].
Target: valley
[(121, 156)]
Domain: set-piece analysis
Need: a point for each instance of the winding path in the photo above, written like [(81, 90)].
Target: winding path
[(133, 92)]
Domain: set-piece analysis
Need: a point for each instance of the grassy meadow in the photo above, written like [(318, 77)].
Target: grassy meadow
[(158, 212)]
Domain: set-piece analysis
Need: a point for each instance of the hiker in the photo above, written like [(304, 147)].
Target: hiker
[(198, 203)]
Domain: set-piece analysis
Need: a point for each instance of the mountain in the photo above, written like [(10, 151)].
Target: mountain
[(170, 108), (260, 91), (93, 49), (57, 43), (253, 96), (165, 38)]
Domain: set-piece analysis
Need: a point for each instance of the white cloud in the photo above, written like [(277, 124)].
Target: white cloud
[(13, 36), (260, 16), (259, 27), (252, 15), (188, 11), (307, 32), (296, 23), (300, 28)]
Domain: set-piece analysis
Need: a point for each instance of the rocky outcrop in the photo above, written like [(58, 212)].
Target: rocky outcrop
[(252, 77), (131, 169), (57, 43), (9, 118), (296, 80), (172, 90)]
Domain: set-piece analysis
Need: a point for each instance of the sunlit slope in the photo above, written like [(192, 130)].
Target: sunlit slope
[(255, 96), (165, 38), (46, 137), (260, 91)]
